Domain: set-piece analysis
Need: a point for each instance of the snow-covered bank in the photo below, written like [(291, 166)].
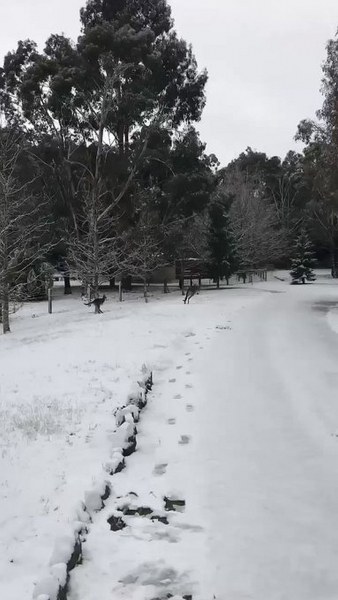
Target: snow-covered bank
[(61, 377)]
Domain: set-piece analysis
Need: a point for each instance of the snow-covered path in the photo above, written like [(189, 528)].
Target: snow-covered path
[(268, 454)]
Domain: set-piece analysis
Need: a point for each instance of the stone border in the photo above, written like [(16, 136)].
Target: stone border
[(67, 553)]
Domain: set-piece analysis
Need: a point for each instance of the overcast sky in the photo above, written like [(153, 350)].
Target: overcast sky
[(263, 56)]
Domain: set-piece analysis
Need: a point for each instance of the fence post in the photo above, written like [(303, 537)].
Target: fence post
[(50, 301), (120, 291)]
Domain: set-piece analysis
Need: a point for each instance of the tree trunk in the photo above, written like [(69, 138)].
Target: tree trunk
[(182, 277), (96, 292), (67, 288), (217, 282), (165, 287), (126, 139), (5, 309)]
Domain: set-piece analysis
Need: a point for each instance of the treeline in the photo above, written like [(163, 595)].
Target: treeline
[(102, 170)]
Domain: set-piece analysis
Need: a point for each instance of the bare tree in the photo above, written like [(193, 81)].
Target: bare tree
[(21, 225), (96, 251), (255, 224), (186, 238), (144, 251), (285, 204)]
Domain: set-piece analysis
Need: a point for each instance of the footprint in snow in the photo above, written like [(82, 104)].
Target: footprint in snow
[(185, 439), (178, 397), (179, 367), (172, 380), (190, 408), (187, 353), (160, 469), (171, 421), (188, 372), (189, 386)]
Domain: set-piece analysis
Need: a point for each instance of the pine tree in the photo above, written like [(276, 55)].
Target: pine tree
[(222, 259), (303, 262)]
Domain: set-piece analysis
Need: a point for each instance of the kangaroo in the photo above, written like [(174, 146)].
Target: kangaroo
[(191, 291), (97, 303)]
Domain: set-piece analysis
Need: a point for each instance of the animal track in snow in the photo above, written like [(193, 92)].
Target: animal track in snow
[(172, 421), (160, 469), (172, 380), (190, 407), (185, 439), (178, 397)]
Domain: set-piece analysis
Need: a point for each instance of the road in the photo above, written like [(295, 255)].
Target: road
[(268, 450)]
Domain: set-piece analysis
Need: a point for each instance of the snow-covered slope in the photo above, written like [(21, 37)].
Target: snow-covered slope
[(61, 377), (240, 427)]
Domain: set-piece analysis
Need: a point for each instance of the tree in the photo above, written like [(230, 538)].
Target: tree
[(144, 252), (258, 238), (22, 224), (321, 159), (281, 183), (163, 69), (93, 98), (302, 263), (222, 255)]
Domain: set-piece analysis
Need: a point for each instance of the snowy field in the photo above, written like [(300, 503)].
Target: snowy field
[(241, 427)]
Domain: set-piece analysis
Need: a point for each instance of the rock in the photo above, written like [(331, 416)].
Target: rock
[(171, 504), (116, 523)]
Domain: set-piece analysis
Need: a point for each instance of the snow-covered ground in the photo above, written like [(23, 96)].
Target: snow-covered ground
[(241, 424)]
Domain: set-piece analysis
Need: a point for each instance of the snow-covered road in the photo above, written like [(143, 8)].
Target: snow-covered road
[(268, 451)]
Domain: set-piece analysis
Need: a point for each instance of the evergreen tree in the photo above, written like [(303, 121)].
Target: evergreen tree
[(303, 262), (321, 159), (222, 257)]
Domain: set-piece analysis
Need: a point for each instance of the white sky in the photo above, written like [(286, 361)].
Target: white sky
[(263, 58)]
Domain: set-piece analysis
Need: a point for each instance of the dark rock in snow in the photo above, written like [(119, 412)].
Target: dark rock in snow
[(171, 504), (131, 448), (116, 523), (76, 557)]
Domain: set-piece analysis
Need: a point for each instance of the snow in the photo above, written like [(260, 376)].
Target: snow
[(241, 425), (332, 317)]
